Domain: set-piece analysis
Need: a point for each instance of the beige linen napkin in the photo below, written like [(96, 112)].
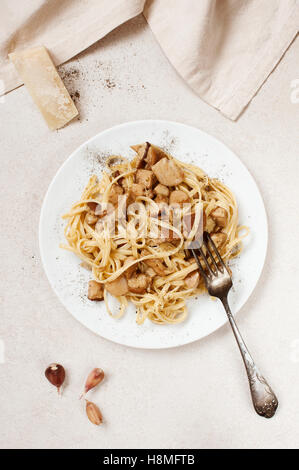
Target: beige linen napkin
[(224, 49)]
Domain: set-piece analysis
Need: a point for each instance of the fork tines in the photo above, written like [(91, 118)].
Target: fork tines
[(217, 264)]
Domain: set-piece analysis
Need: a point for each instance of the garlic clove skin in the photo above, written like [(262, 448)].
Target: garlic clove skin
[(95, 377), (55, 373), (93, 413)]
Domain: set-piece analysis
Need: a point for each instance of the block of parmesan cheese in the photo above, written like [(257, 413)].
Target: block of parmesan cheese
[(40, 76)]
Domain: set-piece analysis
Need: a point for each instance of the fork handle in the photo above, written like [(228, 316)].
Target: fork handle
[(263, 398)]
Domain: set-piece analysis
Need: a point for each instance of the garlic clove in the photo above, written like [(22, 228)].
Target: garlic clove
[(93, 413), (55, 373), (95, 377)]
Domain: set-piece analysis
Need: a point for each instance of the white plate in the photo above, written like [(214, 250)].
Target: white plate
[(70, 281)]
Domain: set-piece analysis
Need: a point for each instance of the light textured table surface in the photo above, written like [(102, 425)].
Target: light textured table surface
[(194, 396)]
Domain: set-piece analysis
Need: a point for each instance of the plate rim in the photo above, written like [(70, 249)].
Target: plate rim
[(162, 122)]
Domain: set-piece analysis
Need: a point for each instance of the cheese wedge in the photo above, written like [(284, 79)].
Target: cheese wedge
[(40, 76)]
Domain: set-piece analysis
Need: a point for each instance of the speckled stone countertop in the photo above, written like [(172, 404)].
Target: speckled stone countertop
[(194, 396)]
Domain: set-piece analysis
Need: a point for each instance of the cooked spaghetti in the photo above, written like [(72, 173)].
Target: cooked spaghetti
[(132, 228)]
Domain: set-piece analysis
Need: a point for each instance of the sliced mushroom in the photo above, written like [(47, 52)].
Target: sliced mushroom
[(148, 155), (168, 172), (140, 148), (162, 190), (138, 189), (209, 224), (95, 290), (154, 154), (91, 218), (139, 283), (220, 216), (115, 191), (132, 269), (178, 197), (145, 177), (192, 280), (135, 190), (155, 263), (118, 287), (219, 239), (92, 205), (141, 151)]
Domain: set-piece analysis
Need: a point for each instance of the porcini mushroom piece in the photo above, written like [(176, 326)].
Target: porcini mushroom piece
[(132, 269), (137, 189), (220, 216), (168, 172), (117, 287), (139, 283), (95, 290), (219, 239), (92, 205), (141, 150), (178, 197), (209, 224), (162, 190), (154, 263), (91, 218), (192, 280), (154, 154), (145, 177), (115, 191)]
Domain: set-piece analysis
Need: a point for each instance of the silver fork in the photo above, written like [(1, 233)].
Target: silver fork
[(218, 282)]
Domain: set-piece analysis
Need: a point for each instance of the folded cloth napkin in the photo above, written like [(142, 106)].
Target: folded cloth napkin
[(224, 49)]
